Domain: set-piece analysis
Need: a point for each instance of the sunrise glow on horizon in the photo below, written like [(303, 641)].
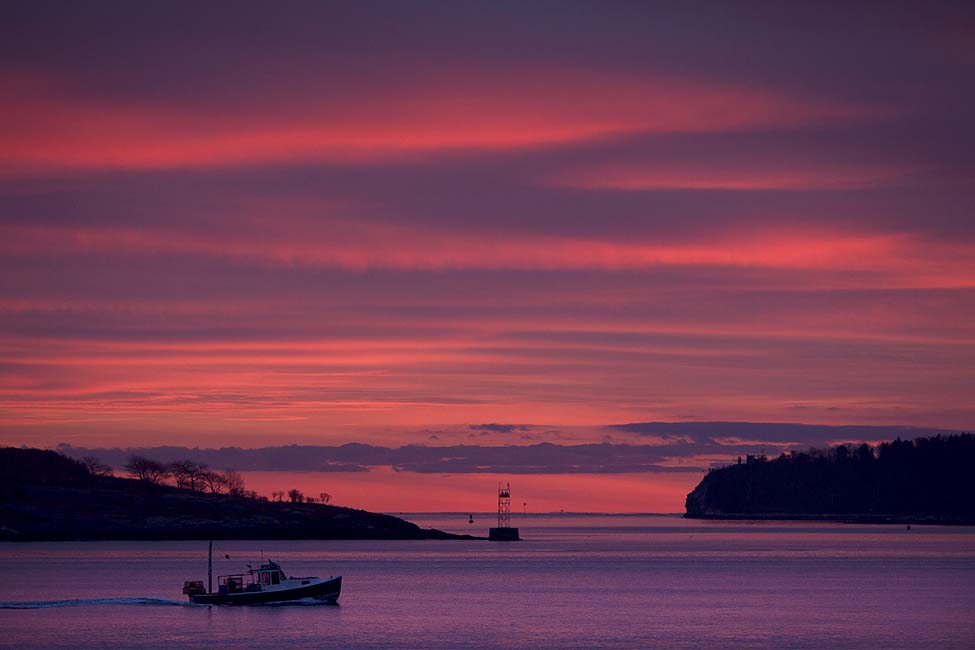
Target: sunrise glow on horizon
[(494, 225)]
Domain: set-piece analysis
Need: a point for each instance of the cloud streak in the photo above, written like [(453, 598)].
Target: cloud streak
[(635, 177), (444, 109), (902, 259)]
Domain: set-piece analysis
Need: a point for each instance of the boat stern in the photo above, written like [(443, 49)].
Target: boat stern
[(193, 588)]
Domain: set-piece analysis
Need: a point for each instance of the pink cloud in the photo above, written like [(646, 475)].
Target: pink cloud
[(740, 176), (891, 259), (44, 124)]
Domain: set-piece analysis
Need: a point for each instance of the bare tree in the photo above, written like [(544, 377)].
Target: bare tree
[(188, 474), (277, 496), (96, 467), (234, 482), (296, 495), (324, 497), (181, 471), (146, 469), (213, 482)]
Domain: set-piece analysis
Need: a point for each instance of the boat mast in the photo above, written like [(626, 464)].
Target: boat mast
[(210, 569)]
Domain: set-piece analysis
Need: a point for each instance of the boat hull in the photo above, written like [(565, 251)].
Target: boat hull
[(326, 591)]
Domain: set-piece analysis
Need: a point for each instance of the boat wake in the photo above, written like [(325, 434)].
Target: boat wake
[(90, 602), (86, 602), (303, 602)]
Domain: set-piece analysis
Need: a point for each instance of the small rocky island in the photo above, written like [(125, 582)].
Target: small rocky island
[(926, 480), (47, 496)]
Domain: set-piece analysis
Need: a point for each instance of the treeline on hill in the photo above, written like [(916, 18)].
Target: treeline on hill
[(20, 467), (47, 496), (923, 478), (184, 474), (190, 475)]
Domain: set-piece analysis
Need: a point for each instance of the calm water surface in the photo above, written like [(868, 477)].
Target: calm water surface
[(574, 582)]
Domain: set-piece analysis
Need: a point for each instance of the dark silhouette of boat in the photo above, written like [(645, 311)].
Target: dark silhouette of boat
[(267, 584)]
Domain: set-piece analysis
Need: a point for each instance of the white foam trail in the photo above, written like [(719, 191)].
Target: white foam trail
[(83, 602)]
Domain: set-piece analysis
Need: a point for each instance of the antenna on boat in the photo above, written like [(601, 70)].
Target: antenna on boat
[(210, 569)]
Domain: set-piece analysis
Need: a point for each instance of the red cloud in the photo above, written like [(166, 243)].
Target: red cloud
[(782, 175), (890, 259), (440, 110)]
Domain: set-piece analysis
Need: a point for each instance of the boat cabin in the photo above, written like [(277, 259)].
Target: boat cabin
[(269, 575), (266, 584)]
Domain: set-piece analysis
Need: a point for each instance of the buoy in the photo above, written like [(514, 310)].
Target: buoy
[(471, 520)]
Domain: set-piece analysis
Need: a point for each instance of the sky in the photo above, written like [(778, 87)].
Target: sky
[(486, 224)]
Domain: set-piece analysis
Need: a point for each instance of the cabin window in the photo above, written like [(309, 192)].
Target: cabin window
[(266, 578), (276, 578)]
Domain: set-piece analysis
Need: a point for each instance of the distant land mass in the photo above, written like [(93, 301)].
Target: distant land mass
[(46, 496), (925, 480), (526, 454)]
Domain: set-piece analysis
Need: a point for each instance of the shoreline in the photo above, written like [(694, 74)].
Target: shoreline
[(8, 535), (853, 518)]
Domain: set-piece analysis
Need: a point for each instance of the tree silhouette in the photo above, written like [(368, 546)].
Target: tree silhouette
[(189, 474), (96, 467), (214, 482), (234, 482), (146, 469), (926, 476)]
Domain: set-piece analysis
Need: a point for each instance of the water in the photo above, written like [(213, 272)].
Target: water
[(574, 582)]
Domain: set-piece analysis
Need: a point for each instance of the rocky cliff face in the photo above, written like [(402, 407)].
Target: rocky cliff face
[(697, 503), (44, 496)]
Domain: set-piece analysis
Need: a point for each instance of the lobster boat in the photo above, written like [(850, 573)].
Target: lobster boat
[(267, 584)]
